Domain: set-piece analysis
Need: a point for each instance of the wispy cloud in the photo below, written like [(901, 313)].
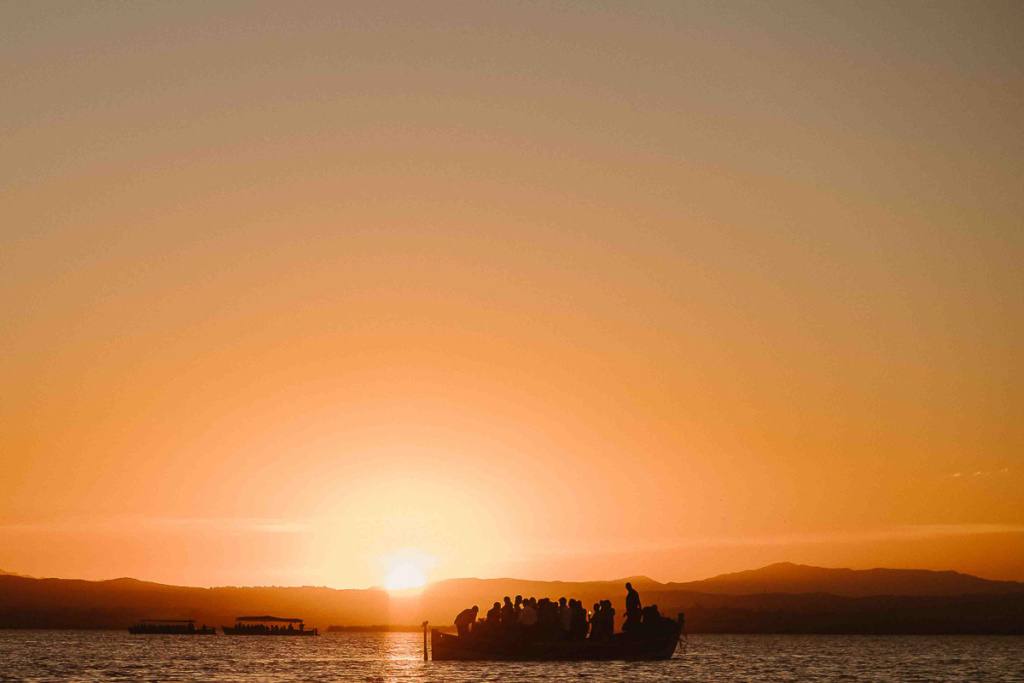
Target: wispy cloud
[(892, 533), (252, 525), (980, 473), (236, 525)]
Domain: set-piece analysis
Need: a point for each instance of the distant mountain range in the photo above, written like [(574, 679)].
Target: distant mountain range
[(24, 576), (780, 598), (117, 603), (786, 577)]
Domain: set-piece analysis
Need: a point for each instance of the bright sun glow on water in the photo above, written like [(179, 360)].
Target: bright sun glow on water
[(405, 575)]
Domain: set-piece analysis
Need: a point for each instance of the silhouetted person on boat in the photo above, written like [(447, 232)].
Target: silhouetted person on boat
[(508, 612), (465, 618), (608, 626), (577, 620), (564, 618), (634, 611), (547, 618), (528, 620), (494, 614), (602, 624), (531, 610)]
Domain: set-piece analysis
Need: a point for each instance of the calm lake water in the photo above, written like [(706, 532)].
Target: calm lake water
[(109, 655)]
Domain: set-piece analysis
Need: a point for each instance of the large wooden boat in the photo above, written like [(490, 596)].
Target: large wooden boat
[(173, 627), (267, 625), (659, 645)]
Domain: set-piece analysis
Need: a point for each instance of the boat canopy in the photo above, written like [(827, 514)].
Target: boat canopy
[(269, 618)]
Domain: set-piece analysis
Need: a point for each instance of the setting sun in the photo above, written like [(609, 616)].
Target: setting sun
[(405, 575)]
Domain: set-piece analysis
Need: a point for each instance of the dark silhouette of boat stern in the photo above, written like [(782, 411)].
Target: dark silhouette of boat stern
[(621, 646)]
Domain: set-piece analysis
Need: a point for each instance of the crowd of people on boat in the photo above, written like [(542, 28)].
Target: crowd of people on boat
[(544, 619)]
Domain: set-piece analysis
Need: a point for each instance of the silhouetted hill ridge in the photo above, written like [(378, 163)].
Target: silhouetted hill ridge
[(789, 578), (782, 598), (6, 573), (117, 603)]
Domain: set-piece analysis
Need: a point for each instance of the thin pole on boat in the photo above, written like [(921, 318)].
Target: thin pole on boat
[(425, 641)]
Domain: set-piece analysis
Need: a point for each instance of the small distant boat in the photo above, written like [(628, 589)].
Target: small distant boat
[(173, 627), (621, 646), (267, 625)]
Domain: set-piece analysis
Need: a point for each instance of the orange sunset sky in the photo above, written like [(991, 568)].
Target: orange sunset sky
[(294, 292)]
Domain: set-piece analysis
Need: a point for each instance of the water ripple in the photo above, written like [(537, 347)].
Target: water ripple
[(387, 657)]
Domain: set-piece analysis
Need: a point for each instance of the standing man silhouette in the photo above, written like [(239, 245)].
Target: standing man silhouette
[(633, 609)]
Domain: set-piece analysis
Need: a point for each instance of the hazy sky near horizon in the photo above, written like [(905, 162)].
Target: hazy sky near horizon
[(547, 290)]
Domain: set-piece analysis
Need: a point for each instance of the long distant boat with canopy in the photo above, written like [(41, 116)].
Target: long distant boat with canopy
[(267, 625), (171, 627)]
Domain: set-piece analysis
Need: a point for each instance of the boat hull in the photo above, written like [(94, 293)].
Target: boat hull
[(448, 647), (244, 631), (137, 630)]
